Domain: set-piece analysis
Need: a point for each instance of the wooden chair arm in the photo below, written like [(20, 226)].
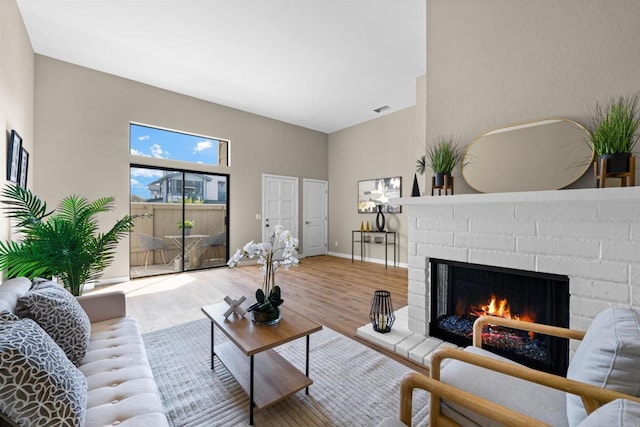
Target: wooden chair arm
[(477, 404), (524, 326), (592, 396)]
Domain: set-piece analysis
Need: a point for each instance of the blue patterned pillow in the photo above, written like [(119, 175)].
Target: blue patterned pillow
[(60, 315), (38, 384)]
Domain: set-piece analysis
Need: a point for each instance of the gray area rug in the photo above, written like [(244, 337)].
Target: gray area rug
[(353, 384)]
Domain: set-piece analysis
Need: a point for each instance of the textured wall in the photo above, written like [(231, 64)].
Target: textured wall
[(497, 62)]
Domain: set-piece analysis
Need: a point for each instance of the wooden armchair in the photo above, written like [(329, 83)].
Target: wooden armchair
[(605, 367)]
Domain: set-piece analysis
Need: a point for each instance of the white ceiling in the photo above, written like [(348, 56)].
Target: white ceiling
[(320, 64)]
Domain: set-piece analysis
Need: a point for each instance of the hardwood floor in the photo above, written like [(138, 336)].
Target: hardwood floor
[(330, 290)]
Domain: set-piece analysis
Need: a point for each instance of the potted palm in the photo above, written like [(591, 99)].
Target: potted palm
[(613, 131), (442, 158), (65, 242)]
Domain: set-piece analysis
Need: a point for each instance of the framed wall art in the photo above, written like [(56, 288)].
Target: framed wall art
[(24, 168), (14, 150), (373, 192)]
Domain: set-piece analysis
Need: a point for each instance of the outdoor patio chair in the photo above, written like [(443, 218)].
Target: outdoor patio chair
[(150, 244), (215, 242)]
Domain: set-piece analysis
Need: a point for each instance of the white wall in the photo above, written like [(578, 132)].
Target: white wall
[(82, 133), (16, 90), (381, 148), (493, 63)]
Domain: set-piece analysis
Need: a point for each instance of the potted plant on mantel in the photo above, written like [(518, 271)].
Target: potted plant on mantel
[(63, 243), (613, 131), (281, 250), (443, 157)]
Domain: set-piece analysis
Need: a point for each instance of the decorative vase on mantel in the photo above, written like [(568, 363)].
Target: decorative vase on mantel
[(439, 179), (616, 163)]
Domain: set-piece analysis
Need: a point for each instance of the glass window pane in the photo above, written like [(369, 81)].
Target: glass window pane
[(163, 240), (147, 141)]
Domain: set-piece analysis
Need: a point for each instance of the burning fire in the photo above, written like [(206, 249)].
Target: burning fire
[(500, 308)]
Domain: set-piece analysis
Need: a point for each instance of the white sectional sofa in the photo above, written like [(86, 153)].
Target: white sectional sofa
[(47, 379)]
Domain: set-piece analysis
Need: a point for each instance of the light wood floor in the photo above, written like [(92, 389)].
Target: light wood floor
[(330, 290)]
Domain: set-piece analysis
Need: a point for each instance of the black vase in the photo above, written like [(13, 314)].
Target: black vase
[(617, 163), (416, 189), (380, 219), (266, 317)]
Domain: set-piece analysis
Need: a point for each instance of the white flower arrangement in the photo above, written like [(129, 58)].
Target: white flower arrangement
[(280, 251)]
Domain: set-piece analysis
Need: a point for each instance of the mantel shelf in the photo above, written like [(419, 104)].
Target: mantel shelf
[(577, 195)]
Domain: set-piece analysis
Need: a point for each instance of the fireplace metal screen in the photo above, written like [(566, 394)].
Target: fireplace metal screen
[(460, 292)]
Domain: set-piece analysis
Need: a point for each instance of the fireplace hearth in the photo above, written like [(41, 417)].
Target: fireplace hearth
[(461, 292)]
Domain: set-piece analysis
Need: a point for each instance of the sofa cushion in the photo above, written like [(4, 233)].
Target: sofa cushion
[(619, 413), (608, 357), (524, 396), (38, 384), (11, 290), (60, 315), (121, 387)]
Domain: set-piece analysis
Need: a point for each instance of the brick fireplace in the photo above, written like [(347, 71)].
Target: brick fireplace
[(592, 236)]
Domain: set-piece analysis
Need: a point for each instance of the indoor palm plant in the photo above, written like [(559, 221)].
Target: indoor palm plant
[(442, 158), (280, 251), (613, 131), (64, 243)]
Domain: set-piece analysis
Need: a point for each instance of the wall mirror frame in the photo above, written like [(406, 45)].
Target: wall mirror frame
[(547, 154), (373, 192)]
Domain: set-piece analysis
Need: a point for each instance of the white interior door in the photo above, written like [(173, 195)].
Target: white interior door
[(314, 214), (280, 204)]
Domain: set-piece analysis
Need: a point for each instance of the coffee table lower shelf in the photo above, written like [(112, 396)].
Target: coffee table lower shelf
[(274, 377)]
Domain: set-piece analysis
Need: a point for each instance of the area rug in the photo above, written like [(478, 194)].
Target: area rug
[(353, 384)]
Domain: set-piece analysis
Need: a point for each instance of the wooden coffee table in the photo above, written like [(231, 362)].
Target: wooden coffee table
[(275, 378)]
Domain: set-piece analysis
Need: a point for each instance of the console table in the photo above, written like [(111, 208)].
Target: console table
[(369, 237)]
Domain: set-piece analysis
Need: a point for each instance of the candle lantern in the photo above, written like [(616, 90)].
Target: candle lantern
[(381, 313)]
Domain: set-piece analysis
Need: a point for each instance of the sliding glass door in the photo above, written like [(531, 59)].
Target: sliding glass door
[(180, 220)]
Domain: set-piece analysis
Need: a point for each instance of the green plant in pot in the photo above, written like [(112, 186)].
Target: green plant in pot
[(187, 225), (65, 242), (442, 158), (613, 131), (280, 251)]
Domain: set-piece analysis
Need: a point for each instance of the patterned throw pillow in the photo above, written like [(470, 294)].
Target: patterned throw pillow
[(60, 315), (38, 384)]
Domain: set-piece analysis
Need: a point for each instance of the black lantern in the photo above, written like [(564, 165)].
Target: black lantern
[(381, 313)]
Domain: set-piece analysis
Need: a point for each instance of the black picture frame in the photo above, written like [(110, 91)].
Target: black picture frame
[(14, 149), (24, 168), (373, 192)]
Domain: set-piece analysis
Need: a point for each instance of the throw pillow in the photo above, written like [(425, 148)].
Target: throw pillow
[(619, 413), (607, 357), (38, 384), (60, 315), (11, 290)]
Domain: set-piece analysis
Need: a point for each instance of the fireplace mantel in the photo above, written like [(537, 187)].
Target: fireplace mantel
[(577, 195), (590, 235)]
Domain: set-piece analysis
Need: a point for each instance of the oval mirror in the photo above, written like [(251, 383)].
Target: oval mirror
[(541, 155)]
